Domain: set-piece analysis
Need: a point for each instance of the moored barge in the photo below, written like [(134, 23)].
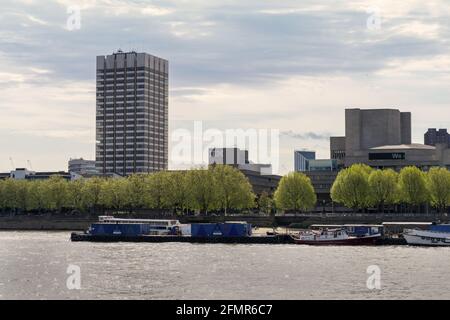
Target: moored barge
[(335, 237), (110, 229)]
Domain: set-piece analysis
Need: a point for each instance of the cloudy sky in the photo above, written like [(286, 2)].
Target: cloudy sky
[(289, 65)]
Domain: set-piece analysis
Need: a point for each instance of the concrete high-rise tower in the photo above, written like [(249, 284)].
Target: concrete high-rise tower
[(132, 113)]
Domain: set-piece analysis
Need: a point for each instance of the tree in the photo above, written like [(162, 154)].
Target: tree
[(91, 192), (136, 191), (113, 194), (57, 192), (234, 190), (37, 194), (176, 195), (265, 203), (75, 194), (383, 187), (8, 195), (22, 195), (351, 187), (413, 186), (438, 182), (2, 195), (203, 190), (295, 192), (155, 192)]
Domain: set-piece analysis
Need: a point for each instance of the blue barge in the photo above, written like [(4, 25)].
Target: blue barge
[(149, 230), (110, 229)]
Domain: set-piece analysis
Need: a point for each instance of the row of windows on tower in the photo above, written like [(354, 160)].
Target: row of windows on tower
[(107, 70)]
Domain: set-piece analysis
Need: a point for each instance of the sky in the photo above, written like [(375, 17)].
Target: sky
[(287, 66)]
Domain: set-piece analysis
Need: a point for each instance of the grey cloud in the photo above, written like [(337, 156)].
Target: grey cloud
[(244, 45), (306, 135)]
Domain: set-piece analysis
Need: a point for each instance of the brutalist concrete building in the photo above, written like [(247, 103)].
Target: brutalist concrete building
[(381, 138), (434, 136), (132, 113)]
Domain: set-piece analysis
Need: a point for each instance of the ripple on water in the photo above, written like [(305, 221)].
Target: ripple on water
[(34, 266)]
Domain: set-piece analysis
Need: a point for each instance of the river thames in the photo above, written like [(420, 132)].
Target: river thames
[(37, 265)]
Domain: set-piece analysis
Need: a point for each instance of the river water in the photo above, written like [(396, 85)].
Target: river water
[(35, 265)]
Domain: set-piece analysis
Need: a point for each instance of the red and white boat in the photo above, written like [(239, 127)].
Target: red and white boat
[(334, 237)]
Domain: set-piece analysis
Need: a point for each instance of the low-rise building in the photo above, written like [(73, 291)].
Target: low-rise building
[(322, 182), (258, 174), (323, 165), (25, 174), (262, 182), (302, 159), (231, 156), (237, 158), (82, 166)]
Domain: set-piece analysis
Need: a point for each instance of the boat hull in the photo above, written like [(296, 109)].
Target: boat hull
[(357, 241), (429, 239)]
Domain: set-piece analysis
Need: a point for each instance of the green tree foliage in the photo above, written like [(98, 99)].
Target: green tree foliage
[(438, 181), (295, 192), (2, 195), (75, 194), (37, 194), (21, 196), (265, 203), (114, 194), (412, 185), (203, 190), (223, 188), (91, 192), (383, 186), (234, 190), (351, 187), (57, 192), (8, 194), (176, 195), (156, 195), (136, 191)]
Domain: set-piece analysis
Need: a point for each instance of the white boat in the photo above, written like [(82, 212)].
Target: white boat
[(155, 226), (334, 237), (436, 236)]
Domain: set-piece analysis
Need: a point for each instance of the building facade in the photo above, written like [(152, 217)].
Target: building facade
[(262, 182), (82, 166), (231, 156), (366, 129), (237, 158), (132, 113), (322, 165), (433, 137), (379, 138), (322, 182), (302, 158), (337, 150), (25, 174)]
